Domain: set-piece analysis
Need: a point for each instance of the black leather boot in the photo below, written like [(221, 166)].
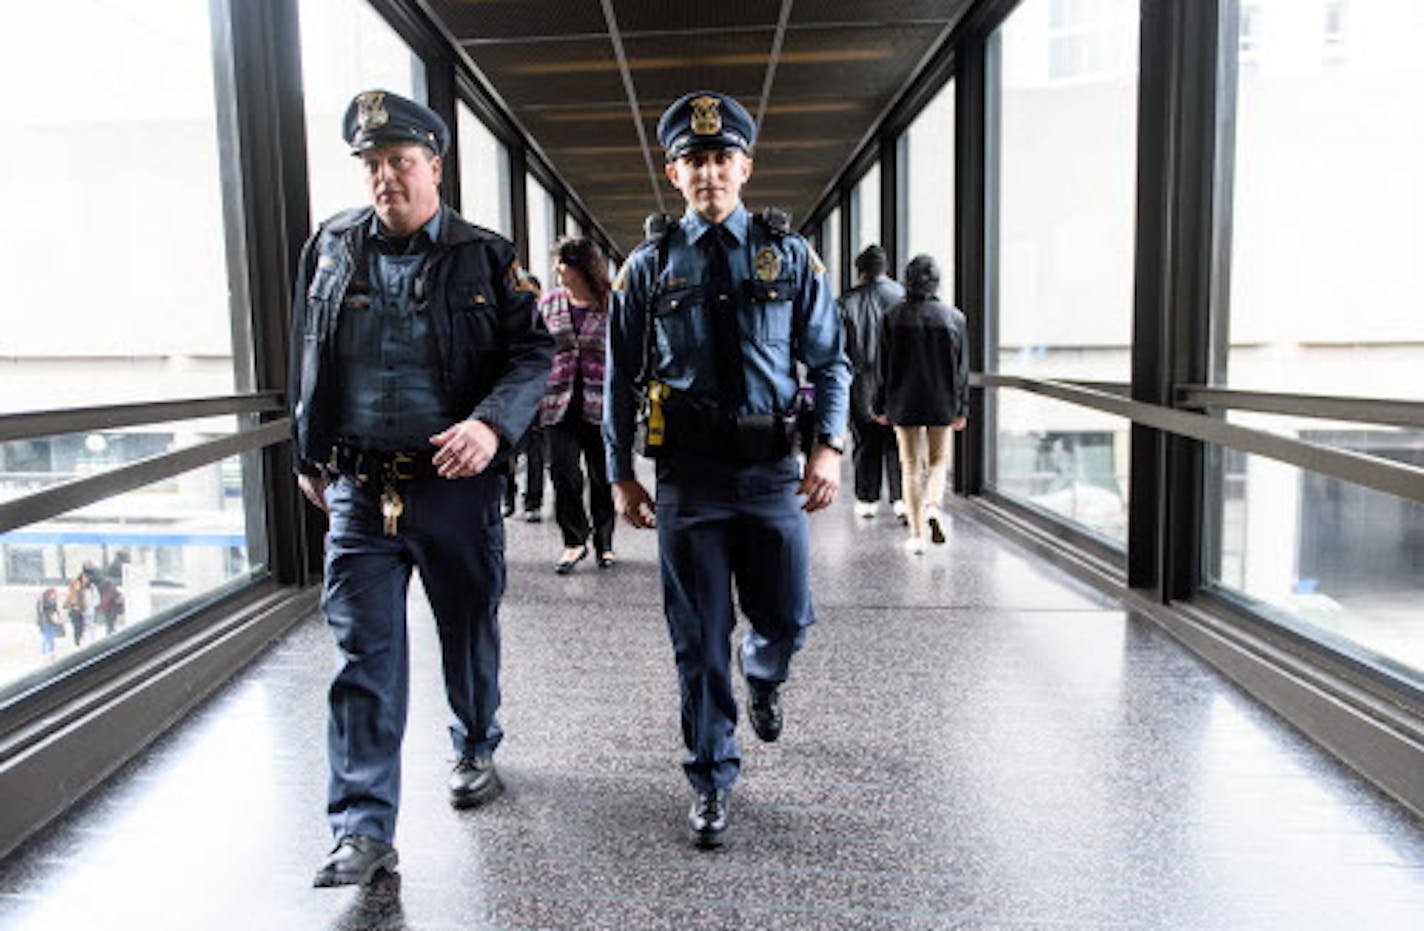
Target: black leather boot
[(708, 818), (355, 860)]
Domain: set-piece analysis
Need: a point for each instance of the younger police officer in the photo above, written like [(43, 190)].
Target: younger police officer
[(709, 322), (415, 361)]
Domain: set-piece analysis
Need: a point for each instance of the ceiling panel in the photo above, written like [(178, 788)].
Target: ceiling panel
[(553, 62), (517, 19)]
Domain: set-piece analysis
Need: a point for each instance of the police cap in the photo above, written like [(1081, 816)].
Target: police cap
[(376, 118), (705, 120)]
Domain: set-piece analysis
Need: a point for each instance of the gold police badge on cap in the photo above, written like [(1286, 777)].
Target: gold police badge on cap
[(768, 263), (371, 110), (706, 117)]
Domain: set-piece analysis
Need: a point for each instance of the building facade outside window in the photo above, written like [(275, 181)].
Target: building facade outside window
[(346, 48), (831, 248), (542, 232), (484, 175), (865, 212), (927, 165), (142, 313), (1067, 164), (1326, 297)]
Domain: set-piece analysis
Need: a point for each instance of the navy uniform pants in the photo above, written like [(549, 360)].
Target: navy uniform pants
[(452, 530), (720, 524)]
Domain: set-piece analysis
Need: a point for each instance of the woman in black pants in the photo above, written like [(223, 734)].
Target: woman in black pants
[(576, 314)]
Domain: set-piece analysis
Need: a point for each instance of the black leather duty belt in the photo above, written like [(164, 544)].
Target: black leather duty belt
[(389, 467)]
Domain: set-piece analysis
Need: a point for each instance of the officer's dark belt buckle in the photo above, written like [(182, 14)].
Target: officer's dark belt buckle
[(401, 467)]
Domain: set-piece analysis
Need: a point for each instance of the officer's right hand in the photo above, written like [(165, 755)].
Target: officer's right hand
[(631, 500), (314, 487)]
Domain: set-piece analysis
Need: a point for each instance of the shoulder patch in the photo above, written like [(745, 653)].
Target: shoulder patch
[(620, 283)]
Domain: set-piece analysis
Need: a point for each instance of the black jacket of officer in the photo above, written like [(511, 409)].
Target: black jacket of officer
[(491, 350)]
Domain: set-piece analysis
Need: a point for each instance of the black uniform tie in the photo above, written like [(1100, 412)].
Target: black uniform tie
[(721, 298)]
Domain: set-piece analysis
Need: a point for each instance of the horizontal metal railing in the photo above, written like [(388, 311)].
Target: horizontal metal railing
[(1324, 407), (1403, 480), (65, 497)]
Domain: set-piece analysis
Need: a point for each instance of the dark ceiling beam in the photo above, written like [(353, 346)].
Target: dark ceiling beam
[(771, 61), (616, 38)]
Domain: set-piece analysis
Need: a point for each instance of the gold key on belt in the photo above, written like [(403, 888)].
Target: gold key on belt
[(391, 509)]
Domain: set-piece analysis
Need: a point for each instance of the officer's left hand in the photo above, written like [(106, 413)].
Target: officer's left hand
[(822, 479), (465, 449)]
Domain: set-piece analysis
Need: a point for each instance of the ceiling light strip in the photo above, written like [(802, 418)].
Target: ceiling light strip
[(617, 39), (771, 62)]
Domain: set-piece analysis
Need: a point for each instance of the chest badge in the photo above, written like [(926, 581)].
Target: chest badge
[(768, 264)]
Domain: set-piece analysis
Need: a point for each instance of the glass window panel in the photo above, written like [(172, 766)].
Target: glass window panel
[(484, 175), (541, 232), (112, 106), (1068, 173), (346, 48), (1066, 222), (1063, 459), (928, 170), (149, 553), (831, 237), (1328, 200), (1338, 562), (865, 230)]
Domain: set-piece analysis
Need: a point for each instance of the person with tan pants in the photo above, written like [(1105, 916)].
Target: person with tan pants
[(923, 393)]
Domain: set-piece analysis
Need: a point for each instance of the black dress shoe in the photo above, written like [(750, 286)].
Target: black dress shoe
[(533, 515), (606, 559), (473, 782), (566, 564), (708, 818), (355, 860), (509, 509), (764, 711)]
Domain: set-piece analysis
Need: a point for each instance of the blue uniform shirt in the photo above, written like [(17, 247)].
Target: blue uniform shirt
[(796, 322), (391, 398)]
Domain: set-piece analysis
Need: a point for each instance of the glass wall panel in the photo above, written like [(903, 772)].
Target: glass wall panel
[(346, 48), (831, 240), (928, 170), (1066, 224), (541, 232), (865, 210), (112, 115), (484, 175), (1337, 562), (1327, 288), (120, 564), (1065, 460)]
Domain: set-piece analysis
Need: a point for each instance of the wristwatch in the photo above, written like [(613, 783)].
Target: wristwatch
[(833, 440)]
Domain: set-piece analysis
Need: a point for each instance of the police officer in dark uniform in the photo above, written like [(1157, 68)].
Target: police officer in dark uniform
[(711, 316), (416, 361)]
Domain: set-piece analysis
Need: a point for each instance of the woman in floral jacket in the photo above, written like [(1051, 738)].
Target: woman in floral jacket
[(576, 314)]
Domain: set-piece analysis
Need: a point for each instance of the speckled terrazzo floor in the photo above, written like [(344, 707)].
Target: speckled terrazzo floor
[(973, 741)]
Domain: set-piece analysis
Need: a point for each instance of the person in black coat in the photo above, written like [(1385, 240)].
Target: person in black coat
[(923, 392), (862, 310)]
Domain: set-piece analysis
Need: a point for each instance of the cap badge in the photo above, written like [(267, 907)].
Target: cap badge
[(706, 120), (768, 263), (371, 110)]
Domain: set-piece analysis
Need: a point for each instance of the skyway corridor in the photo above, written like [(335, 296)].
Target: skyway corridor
[(973, 740)]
